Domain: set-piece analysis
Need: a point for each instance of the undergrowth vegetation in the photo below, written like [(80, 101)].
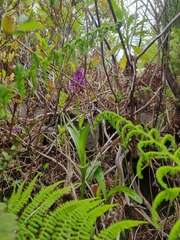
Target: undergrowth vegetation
[(89, 120)]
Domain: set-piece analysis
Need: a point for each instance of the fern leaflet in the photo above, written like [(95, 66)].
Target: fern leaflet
[(112, 231)]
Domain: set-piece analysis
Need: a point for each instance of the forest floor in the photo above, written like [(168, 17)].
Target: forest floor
[(37, 127)]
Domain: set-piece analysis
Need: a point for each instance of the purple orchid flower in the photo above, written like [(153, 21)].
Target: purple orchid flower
[(15, 130), (78, 77)]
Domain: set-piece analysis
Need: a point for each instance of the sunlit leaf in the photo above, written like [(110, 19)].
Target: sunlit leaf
[(130, 20), (83, 137), (136, 49), (30, 26), (94, 60), (62, 98), (19, 32), (128, 191), (123, 62), (117, 10), (91, 170)]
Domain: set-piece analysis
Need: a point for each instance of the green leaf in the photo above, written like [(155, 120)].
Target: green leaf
[(73, 127), (115, 49), (164, 170), (136, 49), (30, 26), (117, 10), (83, 137), (8, 224), (99, 175), (130, 20), (123, 62), (83, 168), (88, 2), (19, 198), (165, 195), (62, 98), (175, 231), (113, 230), (91, 170), (20, 74), (81, 120), (79, 139), (128, 191), (5, 95), (75, 136), (19, 32)]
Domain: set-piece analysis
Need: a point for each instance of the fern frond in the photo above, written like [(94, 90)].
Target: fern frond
[(126, 130), (128, 135), (175, 231), (85, 223), (171, 139), (177, 153), (58, 218), (36, 211), (40, 212), (145, 158), (15, 196), (20, 198), (39, 198), (168, 194), (154, 134), (25, 233), (162, 171), (75, 219), (112, 231)]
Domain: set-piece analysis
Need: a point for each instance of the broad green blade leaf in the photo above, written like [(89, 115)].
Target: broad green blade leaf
[(128, 191), (83, 137), (99, 175), (81, 120), (30, 26), (73, 127), (19, 32), (91, 170), (75, 137)]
